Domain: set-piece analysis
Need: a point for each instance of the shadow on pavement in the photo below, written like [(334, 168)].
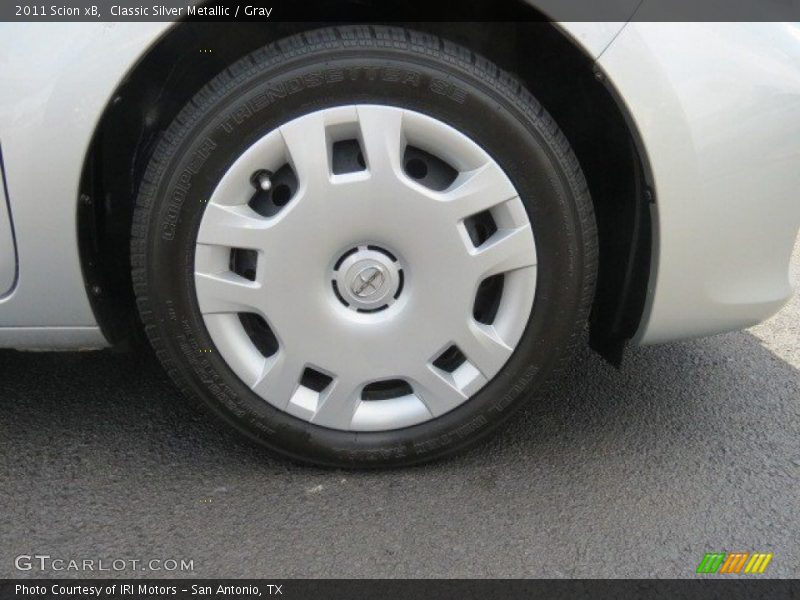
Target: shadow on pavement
[(690, 448)]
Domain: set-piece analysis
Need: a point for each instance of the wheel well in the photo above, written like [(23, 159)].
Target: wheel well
[(555, 70)]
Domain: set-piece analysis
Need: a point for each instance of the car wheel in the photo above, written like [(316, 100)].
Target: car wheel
[(363, 246)]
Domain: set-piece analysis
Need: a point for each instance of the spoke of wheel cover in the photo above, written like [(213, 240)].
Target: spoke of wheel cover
[(475, 191), (337, 404), (231, 226), (505, 251), (227, 293), (280, 379), (437, 393), (308, 148), (381, 132), (484, 348)]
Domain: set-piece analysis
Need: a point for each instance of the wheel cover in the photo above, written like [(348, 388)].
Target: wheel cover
[(365, 276)]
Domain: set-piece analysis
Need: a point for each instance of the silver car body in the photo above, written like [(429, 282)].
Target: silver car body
[(716, 107)]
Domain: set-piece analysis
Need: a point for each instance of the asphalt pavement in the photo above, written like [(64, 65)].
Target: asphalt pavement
[(690, 448)]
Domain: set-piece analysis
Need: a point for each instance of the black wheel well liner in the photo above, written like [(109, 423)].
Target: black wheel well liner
[(561, 76)]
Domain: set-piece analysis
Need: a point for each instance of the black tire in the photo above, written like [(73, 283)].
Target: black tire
[(325, 68)]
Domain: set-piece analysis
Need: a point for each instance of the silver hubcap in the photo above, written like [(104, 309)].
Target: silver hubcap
[(370, 296)]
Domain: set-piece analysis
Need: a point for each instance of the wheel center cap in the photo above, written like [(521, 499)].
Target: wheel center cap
[(367, 278)]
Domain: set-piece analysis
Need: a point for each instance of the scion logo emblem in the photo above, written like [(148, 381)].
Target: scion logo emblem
[(367, 282)]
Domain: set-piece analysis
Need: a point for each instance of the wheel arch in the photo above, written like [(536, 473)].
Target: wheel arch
[(582, 101)]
